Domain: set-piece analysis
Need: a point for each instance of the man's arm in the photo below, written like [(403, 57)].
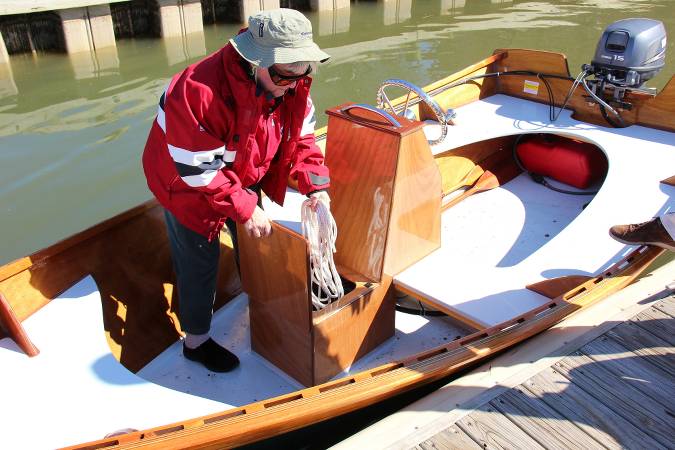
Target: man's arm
[(199, 155), (308, 161)]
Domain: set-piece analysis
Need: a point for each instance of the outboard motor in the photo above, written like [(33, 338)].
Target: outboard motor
[(630, 52)]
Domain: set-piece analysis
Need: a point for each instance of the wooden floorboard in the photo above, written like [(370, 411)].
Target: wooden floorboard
[(635, 369), (667, 306), (616, 391), (536, 418), (493, 430), (645, 344), (658, 323), (452, 438), (593, 417), (612, 390)]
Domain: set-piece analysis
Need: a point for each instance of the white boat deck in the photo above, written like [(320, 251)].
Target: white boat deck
[(497, 242), (75, 391)]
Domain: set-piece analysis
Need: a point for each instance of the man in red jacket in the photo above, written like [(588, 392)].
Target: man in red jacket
[(236, 122)]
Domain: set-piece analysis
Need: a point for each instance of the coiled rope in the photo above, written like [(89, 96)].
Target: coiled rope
[(321, 232)]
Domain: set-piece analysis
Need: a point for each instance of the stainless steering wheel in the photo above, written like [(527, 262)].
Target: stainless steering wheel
[(384, 103)]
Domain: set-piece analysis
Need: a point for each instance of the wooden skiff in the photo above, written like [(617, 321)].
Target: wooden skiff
[(391, 194)]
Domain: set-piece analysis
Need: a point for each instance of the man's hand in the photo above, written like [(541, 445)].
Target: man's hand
[(316, 196), (258, 225)]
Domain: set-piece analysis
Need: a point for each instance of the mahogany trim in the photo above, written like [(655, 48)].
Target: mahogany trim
[(11, 323), (669, 181), (555, 287), (40, 257)]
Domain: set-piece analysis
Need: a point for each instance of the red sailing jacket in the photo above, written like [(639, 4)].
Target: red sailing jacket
[(215, 135)]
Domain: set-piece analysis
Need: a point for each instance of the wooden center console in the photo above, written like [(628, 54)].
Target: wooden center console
[(386, 194)]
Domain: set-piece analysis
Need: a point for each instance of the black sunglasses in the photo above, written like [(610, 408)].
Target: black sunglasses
[(285, 80)]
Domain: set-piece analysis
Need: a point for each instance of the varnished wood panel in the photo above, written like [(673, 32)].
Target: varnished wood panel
[(533, 60), (456, 164), (415, 223), (557, 286), (363, 164), (660, 111), (386, 193), (462, 94), (13, 327), (349, 333), (129, 258), (669, 181), (275, 275)]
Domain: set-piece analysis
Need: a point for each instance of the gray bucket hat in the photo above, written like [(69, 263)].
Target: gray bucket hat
[(278, 36)]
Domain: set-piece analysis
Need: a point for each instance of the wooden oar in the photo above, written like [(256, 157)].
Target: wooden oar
[(468, 180), (486, 182)]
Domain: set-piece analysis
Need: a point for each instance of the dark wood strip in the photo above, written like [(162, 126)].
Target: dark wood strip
[(622, 397), (658, 323), (587, 412), (643, 343), (493, 430), (452, 438), (645, 376), (537, 419)]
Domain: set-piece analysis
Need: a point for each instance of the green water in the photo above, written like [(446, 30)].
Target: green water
[(72, 128)]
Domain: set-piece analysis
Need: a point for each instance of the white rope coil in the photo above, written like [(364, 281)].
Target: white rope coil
[(321, 232)]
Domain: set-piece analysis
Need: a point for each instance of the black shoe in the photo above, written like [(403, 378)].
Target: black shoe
[(212, 356)]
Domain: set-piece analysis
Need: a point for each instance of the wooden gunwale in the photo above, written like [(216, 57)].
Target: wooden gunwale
[(498, 56), (285, 413), (40, 257)]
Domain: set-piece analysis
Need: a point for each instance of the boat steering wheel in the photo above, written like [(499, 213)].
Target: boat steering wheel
[(384, 103)]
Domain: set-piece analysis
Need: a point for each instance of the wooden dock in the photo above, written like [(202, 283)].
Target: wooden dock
[(616, 391)]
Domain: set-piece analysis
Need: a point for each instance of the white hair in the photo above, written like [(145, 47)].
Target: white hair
[(300, 66)]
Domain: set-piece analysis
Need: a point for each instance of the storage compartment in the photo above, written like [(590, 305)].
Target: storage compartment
[(310, 346)]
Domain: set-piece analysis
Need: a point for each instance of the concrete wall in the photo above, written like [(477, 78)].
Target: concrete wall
[(88, 28), (180, 17), (4, 57), (250, 7)]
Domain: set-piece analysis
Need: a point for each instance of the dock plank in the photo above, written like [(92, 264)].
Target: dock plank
[(645, 344), (622, 397), (637, 371), (667, 306), (658, 323), (536, 418), (597, 419), (452, 438), (491, 430)]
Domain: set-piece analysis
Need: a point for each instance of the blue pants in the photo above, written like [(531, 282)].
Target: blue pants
[(195, 262)]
